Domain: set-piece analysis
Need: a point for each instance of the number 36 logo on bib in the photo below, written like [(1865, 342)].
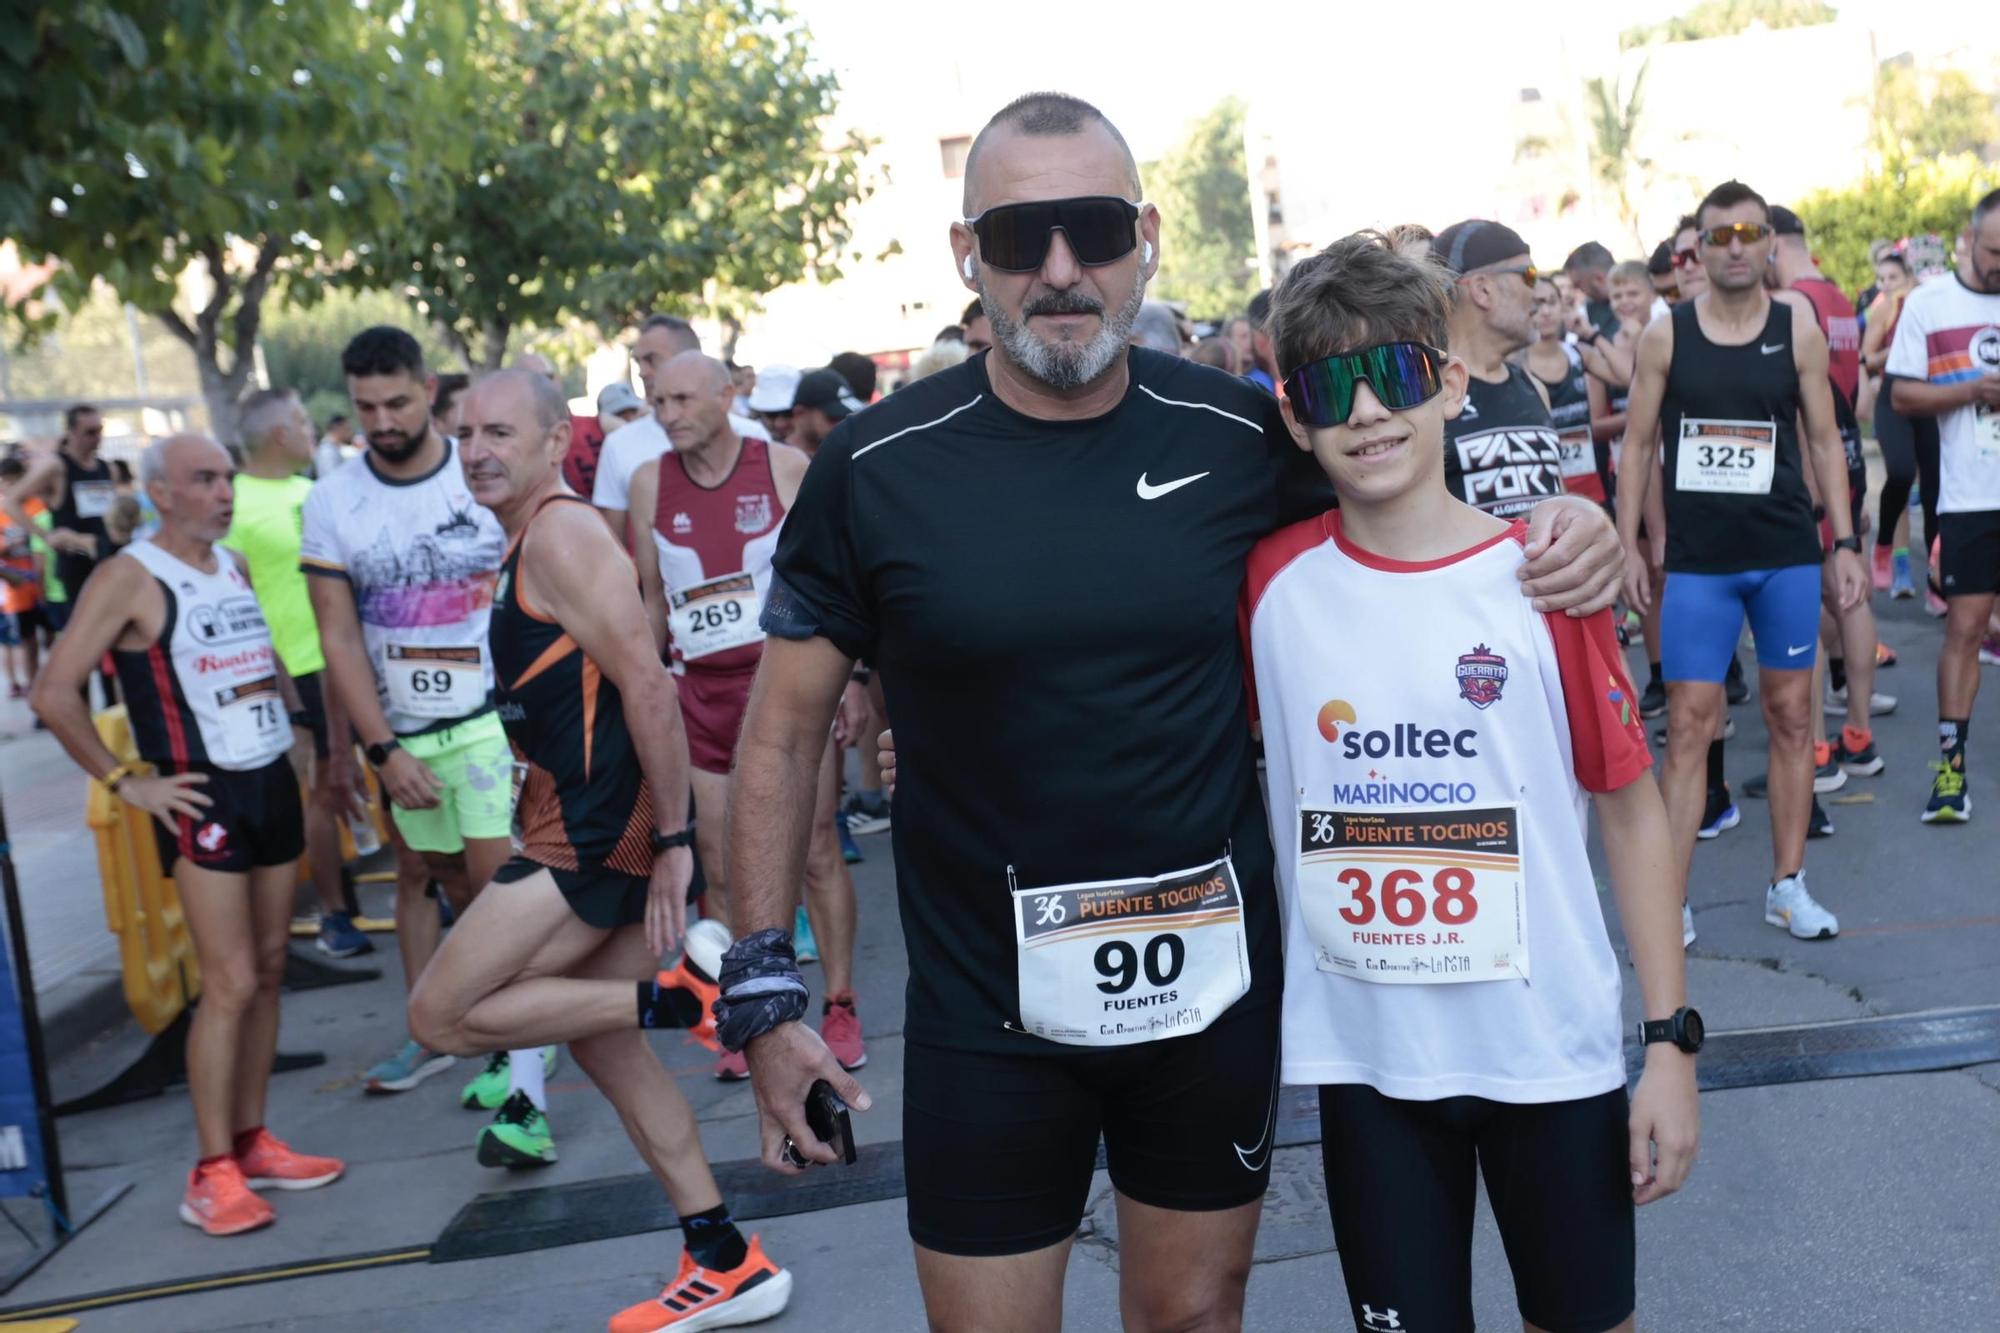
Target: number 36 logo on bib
[(1115, 962), (1414, 896)]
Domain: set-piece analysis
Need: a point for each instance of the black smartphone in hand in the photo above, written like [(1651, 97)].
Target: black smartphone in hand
[(826, 1115)]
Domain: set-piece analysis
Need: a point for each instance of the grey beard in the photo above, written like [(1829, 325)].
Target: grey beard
[(1064, 365)]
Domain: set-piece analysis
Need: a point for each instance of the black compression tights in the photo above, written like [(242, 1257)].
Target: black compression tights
[(1897, 436)]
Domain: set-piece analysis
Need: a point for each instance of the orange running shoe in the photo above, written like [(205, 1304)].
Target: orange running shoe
[(220, 1202), (682, 977), (268, 1162), (702, 1298)]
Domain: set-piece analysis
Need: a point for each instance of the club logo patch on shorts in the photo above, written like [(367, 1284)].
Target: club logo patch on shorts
[(1482, 674), (211, 838)]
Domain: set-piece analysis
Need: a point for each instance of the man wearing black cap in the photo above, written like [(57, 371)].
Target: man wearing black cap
[(822, 401), (1501, 453)]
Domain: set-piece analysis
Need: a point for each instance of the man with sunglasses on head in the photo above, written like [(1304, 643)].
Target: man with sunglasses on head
[(1501, 452), (1040, 550), (1736, 379)]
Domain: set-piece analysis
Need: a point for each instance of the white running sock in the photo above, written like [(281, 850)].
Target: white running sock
[(524, 1074)]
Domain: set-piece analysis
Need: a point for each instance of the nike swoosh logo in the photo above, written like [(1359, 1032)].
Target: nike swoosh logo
[(1769, 350), (1150, 492), (1794, 652), (1264, 1144)]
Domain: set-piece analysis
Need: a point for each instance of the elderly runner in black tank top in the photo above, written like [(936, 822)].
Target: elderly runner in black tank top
[(565, 944), (1500, 453), (1731, 377), (210, 705)]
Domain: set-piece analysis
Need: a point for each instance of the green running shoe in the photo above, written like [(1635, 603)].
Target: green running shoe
[(519, 1136), (489, 1087), (804, 947)]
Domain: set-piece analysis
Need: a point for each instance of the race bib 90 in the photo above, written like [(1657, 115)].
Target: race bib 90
[(1726, 457), (1414, 896), (1116, 962), (434, 680), (716, 615)]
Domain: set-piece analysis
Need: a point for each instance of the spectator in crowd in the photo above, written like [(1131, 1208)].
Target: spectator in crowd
[(1411, 240), (859, 372), (1263, 368), (23, 627), (334, 445), (771, 401), (1217, 351), (1660, 272), (1589, 271), (1240, 337), (617, 404), (978, 328), (745, 379), (936, 357), (444, 403), (1157, 328)]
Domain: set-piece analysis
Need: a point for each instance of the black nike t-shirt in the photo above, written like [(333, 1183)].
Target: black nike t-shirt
[(1052, 606)]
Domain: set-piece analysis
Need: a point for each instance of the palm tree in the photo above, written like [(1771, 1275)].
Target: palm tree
[(1614, 125)]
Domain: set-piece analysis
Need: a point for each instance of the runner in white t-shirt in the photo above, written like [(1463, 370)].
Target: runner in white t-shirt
[(1945, 363), (636, 443), (1449, 982)]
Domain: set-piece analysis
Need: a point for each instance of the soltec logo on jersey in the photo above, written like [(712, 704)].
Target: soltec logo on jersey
[(1403, 740), (1482, 674)]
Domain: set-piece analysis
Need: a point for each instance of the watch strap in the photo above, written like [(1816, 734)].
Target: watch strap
[(663, 842)]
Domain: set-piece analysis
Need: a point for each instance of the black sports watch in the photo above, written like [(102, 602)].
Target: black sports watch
[(663, 842), (1847, 544), (378, 753), (1684, 1030)]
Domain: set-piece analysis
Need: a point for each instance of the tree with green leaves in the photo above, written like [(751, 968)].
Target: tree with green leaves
[(195, 157), (1915, 197), (1916, 115), (624, 159), (1726, 18), (1208, 242)]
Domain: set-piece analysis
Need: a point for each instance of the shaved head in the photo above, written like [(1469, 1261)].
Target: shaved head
[(698, 371), (543, 399), (174, 455), (188, 477), (1044, 116), (534, 363)]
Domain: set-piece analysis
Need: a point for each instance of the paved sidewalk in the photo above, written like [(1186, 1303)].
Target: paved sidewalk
[(1816, 1207)]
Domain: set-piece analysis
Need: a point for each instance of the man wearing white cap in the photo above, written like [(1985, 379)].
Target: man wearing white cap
[(771, 402), (661, 338)]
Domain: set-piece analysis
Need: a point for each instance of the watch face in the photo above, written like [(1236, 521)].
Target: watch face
[(1691, 1028)]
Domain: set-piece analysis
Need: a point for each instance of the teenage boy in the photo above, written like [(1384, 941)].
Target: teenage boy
[(1449, 983)]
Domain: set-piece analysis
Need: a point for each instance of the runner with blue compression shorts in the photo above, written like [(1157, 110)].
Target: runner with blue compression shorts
[(1730, 377)]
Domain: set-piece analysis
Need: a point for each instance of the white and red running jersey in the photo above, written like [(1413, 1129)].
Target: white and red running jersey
[(206, 692), (715, 546), (1429, 740)]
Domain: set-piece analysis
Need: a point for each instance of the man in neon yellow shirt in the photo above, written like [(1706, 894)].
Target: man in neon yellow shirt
[(270, 497)]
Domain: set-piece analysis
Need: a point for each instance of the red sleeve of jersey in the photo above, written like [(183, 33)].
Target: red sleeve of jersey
[(1607, 740), (1267, 557)]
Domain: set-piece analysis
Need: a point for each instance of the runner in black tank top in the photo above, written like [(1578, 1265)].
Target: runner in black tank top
[(1500, 452), (584, 804), (87, 498), (1723, 532)]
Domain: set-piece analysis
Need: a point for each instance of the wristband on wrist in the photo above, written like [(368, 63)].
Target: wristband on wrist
[(117, 775), (860, 675), (663, 842), (761, 988)]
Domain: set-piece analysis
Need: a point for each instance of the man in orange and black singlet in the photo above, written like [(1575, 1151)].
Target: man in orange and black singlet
[(703, 524), (567, 939)]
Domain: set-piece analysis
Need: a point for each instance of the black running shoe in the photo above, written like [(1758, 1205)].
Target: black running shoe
[(1734, 687), (1653, 699), (1821, 826)]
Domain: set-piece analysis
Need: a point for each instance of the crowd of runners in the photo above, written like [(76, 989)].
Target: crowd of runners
[(1170, 830)]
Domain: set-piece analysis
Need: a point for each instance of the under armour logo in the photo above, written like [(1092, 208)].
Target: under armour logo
[(1386, 1319)]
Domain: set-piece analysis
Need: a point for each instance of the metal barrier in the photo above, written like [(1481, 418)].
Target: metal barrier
[(141, 907)]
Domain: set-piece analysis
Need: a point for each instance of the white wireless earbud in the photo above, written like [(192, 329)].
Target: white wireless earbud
[(1145, 252), (968, 268)]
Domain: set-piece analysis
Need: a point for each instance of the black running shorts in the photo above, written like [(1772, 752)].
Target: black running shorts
[(1969, 553), (606, 899), (253, 819), (999, 1149), (1399, 1180)]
